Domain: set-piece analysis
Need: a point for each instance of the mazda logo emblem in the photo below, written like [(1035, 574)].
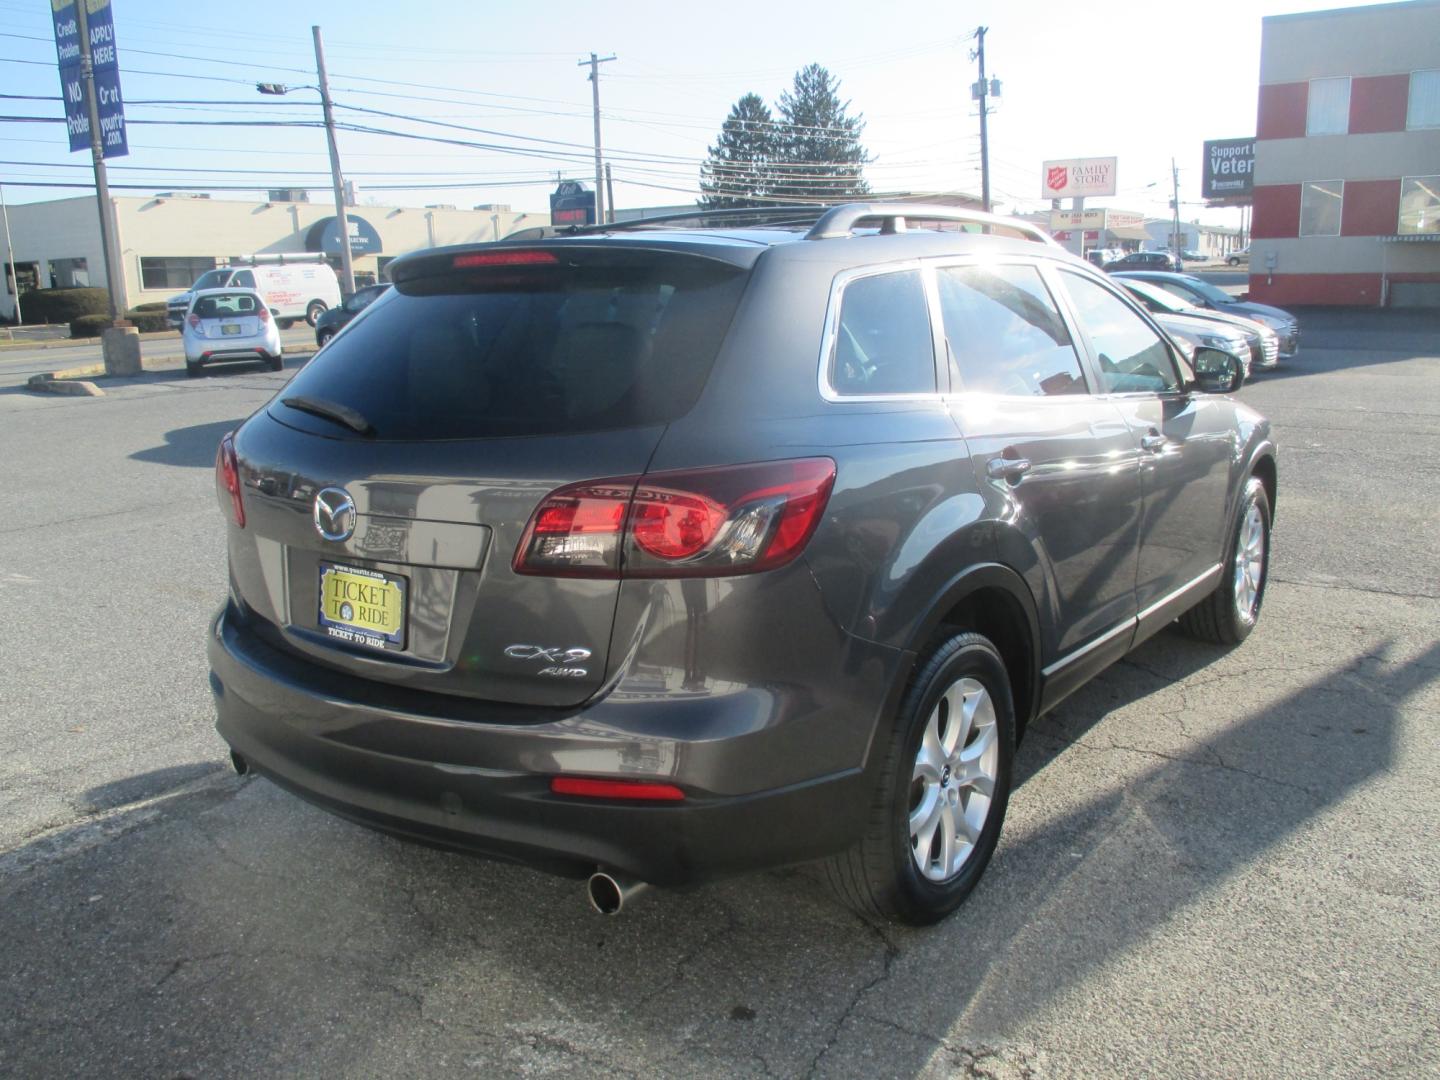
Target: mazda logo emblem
[(334, 514)]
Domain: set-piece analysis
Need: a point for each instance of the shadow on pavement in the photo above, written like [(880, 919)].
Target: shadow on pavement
[(193, 447), (246, 933)]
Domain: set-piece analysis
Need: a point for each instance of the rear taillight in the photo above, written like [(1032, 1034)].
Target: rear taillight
[(264, 314), (701, 523), (227, 478), (194, 321)]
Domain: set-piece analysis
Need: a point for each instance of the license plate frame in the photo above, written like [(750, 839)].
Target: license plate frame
[(230, 328), (368, 594)]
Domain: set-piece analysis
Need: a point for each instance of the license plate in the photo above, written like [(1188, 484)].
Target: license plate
[(230, 328), (362, 607)]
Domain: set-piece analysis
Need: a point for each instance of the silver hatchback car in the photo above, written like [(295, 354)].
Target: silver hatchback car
[(226, 325)]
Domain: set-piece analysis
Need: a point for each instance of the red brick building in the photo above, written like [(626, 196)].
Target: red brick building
[(1347, 158)]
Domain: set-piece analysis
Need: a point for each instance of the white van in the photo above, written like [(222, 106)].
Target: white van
[(294, 288)]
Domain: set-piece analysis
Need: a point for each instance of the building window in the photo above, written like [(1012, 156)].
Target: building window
[(1420, 205), (69, 274), (172, 273), (1424, 109), (1329, 112), (1320, 203)]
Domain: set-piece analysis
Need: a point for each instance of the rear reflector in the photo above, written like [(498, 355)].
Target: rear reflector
[(615, 789), (502, 258), (696, 523)]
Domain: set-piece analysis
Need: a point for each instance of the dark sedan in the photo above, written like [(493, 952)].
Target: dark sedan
[(1202, 294), (331, 322), (1146, 260)]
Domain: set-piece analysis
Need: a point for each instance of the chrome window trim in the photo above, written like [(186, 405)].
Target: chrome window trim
[(832, 324)]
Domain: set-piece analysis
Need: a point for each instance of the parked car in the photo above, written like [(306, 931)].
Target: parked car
[(330, 322), (228, 325), (1101, 256), (293, 290), (1189, 255), (1235, 258), (1262, 345), (657, 554), (1202, 294), (1145, 260)]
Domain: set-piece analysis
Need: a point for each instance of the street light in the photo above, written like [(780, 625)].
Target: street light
[(342, 222)]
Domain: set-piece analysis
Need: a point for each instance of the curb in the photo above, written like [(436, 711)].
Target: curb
[(73, 343), (75, 381)]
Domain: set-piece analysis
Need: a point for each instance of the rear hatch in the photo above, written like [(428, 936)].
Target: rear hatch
[(386, 489)]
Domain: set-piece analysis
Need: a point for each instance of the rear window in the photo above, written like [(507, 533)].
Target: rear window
[(222, 307), (600, 340)]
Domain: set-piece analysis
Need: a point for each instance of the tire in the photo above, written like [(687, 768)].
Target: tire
[(284, 324), (314, 311), (323, 337), (1233, 262), (277, 363), (893, 872), (1228, 614), (192, 370)]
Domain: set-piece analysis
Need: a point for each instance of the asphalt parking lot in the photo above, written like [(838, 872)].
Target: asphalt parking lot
[(1215, 864)]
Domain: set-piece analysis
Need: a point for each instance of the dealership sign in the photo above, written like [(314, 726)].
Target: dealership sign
[(106, 65), (1229, 168), (1077, 177)]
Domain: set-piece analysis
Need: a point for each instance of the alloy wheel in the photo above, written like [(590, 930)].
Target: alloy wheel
[(1250, 563), (953, 781)]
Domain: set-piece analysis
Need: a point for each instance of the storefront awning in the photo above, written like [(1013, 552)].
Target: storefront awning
[(1127, 232), (324, 236)]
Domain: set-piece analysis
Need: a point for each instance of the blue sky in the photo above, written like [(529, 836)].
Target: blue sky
[(1142, 81)]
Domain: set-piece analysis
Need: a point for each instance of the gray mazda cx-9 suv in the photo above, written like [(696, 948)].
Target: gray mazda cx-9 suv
[(665, 552)]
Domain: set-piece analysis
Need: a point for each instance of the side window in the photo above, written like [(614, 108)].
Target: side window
[(1133, 358), (1004, 334), (243, 279), (883, 342)]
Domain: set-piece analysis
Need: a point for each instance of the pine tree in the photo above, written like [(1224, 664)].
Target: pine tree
[(737, 172), (819, 155)]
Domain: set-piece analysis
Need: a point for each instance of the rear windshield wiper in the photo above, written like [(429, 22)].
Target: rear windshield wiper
[(330, 410)]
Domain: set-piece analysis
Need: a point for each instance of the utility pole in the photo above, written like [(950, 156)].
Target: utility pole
[(595, 62), (984, 99), (97, 156), (609, 194), (347, 268), (1175, 245), (11, 279)]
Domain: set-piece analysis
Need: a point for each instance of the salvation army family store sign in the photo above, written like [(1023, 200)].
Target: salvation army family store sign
[(1075, 177)]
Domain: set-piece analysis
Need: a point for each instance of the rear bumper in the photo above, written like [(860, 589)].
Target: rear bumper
[(484, 787)]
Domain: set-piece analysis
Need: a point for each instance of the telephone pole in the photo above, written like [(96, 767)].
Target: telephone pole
[(11, 280), (1175, 244), (97, 156), (342, 222), (595, 62), (983, 96)]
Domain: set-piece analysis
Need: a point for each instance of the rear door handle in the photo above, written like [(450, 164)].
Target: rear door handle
[(1011, 469), (1154, 442)]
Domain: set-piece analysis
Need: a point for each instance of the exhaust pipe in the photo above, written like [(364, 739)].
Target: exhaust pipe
[(609, 893), (241, 765)]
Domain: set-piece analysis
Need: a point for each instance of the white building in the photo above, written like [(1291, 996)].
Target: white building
[(167, 241)]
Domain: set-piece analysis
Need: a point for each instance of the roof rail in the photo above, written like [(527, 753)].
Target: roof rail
[(741, 215), (840, 221)]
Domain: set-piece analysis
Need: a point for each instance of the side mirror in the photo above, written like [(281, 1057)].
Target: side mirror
[(1216, 372)]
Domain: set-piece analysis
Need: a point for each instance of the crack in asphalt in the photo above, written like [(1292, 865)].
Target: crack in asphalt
[(972, 1059), (1342, 587), (891, 954)]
